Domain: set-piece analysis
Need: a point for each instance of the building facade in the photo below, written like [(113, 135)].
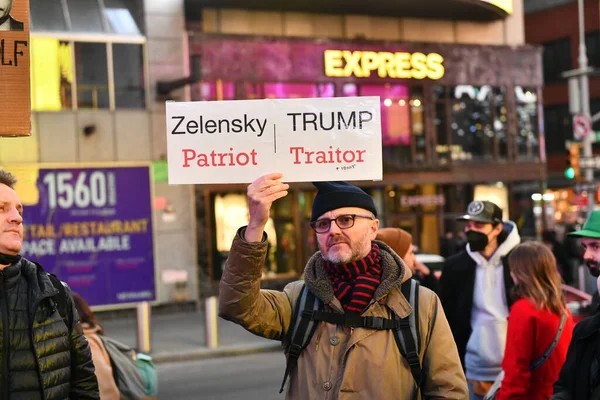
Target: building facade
[(94, 72), (460, 102), (460, 96), (560, 54)]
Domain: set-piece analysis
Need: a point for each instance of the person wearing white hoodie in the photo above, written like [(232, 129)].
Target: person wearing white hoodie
[(475, 290)]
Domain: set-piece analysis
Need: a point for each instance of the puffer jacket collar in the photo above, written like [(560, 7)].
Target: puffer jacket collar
[(40, 286), (394, 272), (12, 275)]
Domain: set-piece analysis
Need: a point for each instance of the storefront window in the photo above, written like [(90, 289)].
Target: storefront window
[(290, 90), (216, 90), (222, 90), (326, 90), (442, 147), (251, 91), (350, 90), (477, 123), (528, 145), (501, 122), (395, 113), (417, 121), (231, 211), (402, 122), (283, 249), (471, 122), (280, 90)]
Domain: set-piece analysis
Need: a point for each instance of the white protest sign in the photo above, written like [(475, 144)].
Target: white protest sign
[(334, 139)]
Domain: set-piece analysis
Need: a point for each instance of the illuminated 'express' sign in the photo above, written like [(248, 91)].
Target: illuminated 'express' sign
[(345, 63)]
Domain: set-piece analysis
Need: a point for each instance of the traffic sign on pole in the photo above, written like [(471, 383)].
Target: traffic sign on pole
[(582, 125), (592, 163)]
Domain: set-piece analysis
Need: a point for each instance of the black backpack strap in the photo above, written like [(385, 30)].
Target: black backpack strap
[(353, 321), (61, 301), (407, 335), (303, 327)]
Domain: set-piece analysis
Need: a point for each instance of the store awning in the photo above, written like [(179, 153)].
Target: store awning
[(474, 10)]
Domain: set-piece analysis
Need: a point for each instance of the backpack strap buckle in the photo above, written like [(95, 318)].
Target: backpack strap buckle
[(294, 351), (413, 358), (373, 323)]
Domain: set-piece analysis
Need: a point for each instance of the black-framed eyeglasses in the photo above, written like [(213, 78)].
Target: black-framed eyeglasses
[(345, 221)]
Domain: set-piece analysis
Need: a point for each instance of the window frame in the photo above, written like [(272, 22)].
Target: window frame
[(108, 40), (448, 101)]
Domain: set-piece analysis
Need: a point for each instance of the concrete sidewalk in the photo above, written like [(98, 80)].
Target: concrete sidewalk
[(181, 336)]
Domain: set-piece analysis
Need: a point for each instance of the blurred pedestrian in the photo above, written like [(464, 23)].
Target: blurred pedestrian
[(475, 289), (401, 242), (560, 253), (539, 326), (448, 245), (44, 354), (92, 331), (580, 376), (358, 344)]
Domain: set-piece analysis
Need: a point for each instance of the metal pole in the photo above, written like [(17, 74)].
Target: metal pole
[(210, 315), (585, 100), (143, 327)]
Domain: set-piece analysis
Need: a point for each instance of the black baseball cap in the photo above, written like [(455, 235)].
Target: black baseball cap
[(482, 211)]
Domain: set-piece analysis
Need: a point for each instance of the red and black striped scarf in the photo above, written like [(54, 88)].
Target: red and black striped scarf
[(354, 283)]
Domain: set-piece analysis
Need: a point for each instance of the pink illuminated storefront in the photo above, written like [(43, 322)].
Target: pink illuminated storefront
[(454, 118)]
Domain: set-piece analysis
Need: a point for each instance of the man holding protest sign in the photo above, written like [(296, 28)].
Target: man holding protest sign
[(43, 353), (357, 323)]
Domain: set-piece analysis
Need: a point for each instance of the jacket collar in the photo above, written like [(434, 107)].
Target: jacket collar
[(40, 286), (12, 275), (394, 272)]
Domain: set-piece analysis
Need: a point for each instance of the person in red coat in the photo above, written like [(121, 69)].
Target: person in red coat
[(533, 324)]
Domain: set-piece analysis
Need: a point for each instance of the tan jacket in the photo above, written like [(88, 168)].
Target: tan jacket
[(104, 372), (338, 363)]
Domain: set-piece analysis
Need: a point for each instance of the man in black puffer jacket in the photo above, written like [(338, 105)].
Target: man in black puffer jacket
[(41, 357)]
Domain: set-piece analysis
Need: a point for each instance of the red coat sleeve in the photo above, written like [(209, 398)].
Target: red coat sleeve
[(519, 351)]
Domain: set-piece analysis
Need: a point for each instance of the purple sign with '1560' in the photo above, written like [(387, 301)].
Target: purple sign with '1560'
[(92, 227)]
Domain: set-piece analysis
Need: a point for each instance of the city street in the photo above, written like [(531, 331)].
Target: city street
[(255, 376)]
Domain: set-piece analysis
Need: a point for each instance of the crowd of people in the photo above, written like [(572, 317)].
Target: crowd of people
[(368, 321)]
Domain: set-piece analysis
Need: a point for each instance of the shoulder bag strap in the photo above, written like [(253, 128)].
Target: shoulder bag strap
[(542, 359)]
